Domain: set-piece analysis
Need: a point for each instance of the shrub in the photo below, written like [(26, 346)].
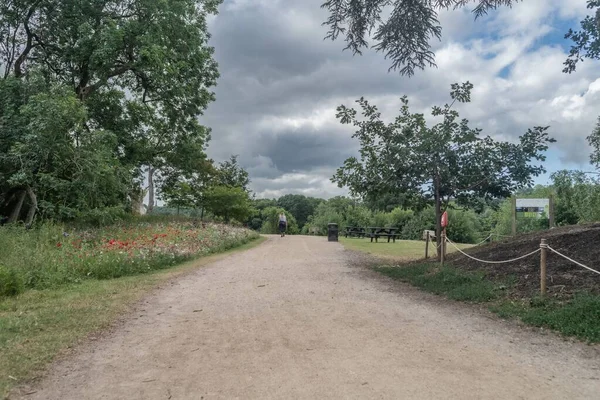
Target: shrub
[(270, 223), (398, 217), (11, 284)]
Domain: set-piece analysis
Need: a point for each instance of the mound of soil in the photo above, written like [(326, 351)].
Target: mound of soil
[(581, 243)]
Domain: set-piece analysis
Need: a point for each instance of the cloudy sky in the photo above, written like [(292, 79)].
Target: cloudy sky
[(281, 82)]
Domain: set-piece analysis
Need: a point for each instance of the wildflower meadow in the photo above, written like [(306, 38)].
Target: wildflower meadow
[(52, 255)]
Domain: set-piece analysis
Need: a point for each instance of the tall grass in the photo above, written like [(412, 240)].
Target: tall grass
[(52, 255)]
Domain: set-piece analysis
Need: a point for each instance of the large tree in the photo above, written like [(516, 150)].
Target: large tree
[(446, 161), (401, 29), (142, 71)]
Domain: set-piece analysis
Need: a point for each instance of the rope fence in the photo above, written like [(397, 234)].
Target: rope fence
[(573, 261), (543, 250), (491, 262)]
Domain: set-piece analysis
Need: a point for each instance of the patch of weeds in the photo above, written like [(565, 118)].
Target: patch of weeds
[(11, 283), (579, 317), (448, 280), (508, 309)]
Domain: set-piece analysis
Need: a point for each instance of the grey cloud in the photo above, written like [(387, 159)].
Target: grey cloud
[(302, 150), (275, 66)]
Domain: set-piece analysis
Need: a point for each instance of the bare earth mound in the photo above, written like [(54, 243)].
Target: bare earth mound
[(582, 243)]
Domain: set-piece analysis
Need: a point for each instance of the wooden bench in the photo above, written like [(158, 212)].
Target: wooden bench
[(353, 231), (377, 232)]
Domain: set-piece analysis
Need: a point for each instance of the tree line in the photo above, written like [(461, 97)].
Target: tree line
[(576, 195)]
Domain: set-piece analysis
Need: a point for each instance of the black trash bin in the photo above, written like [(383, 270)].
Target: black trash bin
[(332, 232)]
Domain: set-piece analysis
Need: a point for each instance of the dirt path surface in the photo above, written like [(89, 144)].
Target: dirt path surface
[(296, 319)]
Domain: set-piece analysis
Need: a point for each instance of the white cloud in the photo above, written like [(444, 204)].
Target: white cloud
[(280, 88)]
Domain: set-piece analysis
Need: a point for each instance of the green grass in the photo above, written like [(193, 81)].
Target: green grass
[(402, 250), (47, 257), (39, 324), (578, 317), (447, 280)]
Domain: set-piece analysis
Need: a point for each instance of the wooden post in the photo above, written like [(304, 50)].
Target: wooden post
[(445, 244), (514, 215), (443, 247), (427, 246), (551, 219), (543, 247)]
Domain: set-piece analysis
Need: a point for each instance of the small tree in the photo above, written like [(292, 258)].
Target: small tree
[(436, 164), (228, 203), (230, 173), (179, 195)]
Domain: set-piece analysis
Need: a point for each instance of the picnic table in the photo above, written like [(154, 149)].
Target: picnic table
[(377, 232), (354, 231)]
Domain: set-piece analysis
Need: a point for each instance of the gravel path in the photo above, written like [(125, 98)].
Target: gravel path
[(295, 318)]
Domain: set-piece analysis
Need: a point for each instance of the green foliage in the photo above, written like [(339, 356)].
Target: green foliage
[(413, 229), (326, 213), (11, 283), (270, 224), (448, 160), (358, 216), (228, 203), (398, 217), (464, 226), (46, 257), (448, 281), (92, 93), (587, 41), (579, 317), (578, 197), (231, 174), (403, 34), (300, 206)]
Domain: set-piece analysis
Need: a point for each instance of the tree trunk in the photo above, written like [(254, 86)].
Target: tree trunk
[(150, 189), (17, 210), (438, 217), (33, 208)]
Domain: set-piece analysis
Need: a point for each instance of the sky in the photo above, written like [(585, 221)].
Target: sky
[(281, 83)]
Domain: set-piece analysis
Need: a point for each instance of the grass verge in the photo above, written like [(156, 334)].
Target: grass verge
[(448, 281), (578, 317), (38, 324), (402, 250)]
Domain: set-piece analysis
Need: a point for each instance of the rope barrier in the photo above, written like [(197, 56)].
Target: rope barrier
[(492, 262), (485, 240), (570, 259)]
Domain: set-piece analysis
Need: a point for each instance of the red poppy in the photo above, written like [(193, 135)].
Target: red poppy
[(59, 245)]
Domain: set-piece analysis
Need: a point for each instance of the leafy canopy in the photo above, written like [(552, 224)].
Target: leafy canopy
[(587, 40), (438, 163), (95, 91), (401, 29)]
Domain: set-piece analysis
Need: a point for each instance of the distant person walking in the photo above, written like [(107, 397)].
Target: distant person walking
[(282, 224)]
